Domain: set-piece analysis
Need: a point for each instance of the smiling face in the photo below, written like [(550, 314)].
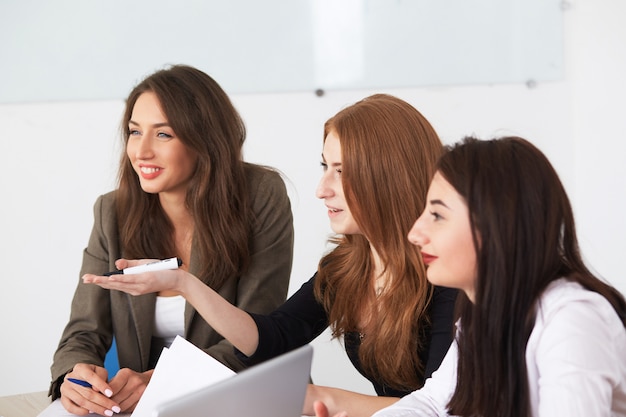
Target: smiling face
[(330, 188), (444, 235), (162, 162)]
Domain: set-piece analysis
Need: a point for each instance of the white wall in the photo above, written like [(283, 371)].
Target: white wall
[(57, 157)]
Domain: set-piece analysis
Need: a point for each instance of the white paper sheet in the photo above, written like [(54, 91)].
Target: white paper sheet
[(181, 369)]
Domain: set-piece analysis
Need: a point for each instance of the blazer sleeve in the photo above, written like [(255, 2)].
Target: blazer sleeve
[(88, 333)]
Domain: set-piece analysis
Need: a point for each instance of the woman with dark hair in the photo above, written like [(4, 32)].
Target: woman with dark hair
[(371, 288), (185, 191), (539, 335)]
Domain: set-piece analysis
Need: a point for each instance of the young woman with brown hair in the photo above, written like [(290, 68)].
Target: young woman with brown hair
[(183, 191)]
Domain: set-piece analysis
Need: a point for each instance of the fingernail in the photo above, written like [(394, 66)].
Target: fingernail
[(108, 413), (108, 393), (116, 409), (90, 412)]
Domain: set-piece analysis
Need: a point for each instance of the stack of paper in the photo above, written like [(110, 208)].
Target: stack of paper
[(181, 369)]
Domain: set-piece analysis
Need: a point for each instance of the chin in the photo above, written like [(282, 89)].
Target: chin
[(434, 279), (148, 190)]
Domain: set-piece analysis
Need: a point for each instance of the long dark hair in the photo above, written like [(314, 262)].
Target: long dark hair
[(525, 238), (204, 119), (389, 151)]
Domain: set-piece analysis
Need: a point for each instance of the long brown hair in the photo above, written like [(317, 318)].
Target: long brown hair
[(520, 213), (203, 117), (389, 151)]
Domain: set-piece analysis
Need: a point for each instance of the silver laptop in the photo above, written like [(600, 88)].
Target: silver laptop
[(275, 388)]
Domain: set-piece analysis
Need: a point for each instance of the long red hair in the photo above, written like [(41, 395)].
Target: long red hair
[(389, 151)]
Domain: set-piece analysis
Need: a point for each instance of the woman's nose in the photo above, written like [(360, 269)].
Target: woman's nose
[(323, 189), (416, 235), (143, 148)]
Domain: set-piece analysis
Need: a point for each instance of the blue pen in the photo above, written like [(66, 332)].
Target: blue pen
[(80, 382)]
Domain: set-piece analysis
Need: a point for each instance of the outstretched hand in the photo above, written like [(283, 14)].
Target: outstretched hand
[(138, 284)]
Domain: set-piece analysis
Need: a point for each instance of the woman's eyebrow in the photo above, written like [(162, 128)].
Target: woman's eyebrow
[(438, 202), (164, 124), (333, 164)]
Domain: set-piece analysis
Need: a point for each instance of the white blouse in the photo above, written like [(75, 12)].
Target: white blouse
[(169, 318), (575, 357)]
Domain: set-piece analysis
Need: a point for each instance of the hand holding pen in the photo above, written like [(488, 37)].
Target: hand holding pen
[(121, 393), (133, 268), (85, 389)]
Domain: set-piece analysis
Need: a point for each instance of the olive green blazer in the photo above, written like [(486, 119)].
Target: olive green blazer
[(98, 314)]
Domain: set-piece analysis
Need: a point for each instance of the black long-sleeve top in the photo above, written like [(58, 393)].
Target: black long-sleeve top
[(302, 318)]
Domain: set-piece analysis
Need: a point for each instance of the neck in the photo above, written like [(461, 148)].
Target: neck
[(380, 276), (378, 263), (177, 212), (176, 209)]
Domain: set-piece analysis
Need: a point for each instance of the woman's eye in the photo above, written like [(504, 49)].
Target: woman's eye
[(324, 166), (164, 135), (133, 132), (436, 216)]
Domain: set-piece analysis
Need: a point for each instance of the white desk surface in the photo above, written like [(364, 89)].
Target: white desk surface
[(24, 405)]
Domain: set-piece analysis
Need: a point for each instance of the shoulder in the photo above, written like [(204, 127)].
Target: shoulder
[(265, 176), (565, 307), (577, 343), (563, 295), (107, 199), (265, 183), (105, 218), (105, 204)]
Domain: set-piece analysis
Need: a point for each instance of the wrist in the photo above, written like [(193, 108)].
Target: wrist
[(184, 284)]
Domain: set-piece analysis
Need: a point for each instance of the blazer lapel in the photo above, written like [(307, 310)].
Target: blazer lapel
[(190, 312), (142, 311)]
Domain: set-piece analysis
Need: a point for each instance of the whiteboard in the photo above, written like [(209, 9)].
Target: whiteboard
[(99, 49)]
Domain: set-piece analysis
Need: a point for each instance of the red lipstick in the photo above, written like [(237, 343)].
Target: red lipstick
[(149, 172), (428, 259)]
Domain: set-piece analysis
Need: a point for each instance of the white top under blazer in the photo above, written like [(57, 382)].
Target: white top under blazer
[(169, 320)]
